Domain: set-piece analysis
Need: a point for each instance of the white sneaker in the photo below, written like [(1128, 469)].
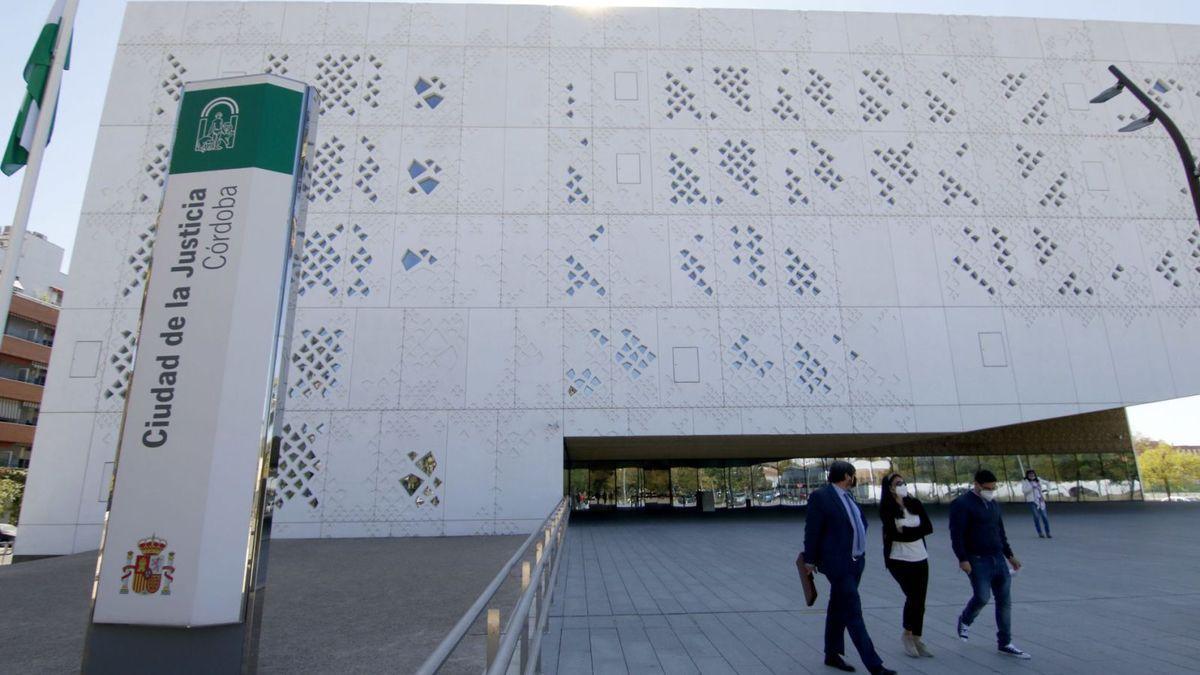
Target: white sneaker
[(1011, 650)]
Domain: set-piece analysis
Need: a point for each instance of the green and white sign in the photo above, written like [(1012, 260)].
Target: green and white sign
[(202, 404)]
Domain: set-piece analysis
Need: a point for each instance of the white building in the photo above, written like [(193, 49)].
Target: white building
[(531, 224), (39, 274)]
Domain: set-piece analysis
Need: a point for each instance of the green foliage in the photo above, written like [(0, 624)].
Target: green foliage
[(12, 488), (1165, 467)]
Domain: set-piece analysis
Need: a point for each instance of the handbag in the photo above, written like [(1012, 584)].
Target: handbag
[(806, 581)]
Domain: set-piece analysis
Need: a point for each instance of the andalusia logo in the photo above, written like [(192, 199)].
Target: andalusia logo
[(150, 568), (218, 125)]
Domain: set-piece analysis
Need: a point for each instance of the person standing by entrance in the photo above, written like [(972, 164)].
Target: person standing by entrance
[(1035, 496), (835, 540), (905, 526), (977, 536)]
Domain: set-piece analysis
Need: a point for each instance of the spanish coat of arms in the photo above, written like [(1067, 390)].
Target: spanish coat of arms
[(151, 571)]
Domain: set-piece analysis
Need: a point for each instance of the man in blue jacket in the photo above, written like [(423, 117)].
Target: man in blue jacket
[(835, 544), (977, 535)]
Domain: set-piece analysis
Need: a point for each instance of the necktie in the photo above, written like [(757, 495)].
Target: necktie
[(856, 521)]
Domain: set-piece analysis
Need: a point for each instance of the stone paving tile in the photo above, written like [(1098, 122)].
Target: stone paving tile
[(1116, 591), (332, 605)]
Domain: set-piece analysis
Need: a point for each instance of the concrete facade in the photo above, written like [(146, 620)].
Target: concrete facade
[(530, 223), (40, 270)]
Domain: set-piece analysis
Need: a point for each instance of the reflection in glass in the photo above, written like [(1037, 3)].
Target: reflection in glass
[(1009, 485), (1067, 469), (656, 487), (1120, 471), (713, 479), (684, 484), (1092, 487), (923, 481), (932, 479), (944, 476)]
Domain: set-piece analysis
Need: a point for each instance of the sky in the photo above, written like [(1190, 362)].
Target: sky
[(68, 159)]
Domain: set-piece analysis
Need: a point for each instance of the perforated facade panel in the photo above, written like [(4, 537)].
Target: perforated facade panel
[(527, 223)]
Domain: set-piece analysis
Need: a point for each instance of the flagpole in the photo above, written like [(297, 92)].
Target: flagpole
[(41, 133)]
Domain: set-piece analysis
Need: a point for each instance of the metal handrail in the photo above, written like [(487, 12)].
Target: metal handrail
[(518, 623), (550, 527)]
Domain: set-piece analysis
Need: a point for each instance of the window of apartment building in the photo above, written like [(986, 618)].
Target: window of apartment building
[(18, 412), (23, 328)]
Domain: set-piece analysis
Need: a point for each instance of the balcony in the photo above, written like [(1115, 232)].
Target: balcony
[(34, 310), (12, 432), (24, 349), (22, 390)]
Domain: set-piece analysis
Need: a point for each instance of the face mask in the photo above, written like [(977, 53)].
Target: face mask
[(901, 490), (988, 495)]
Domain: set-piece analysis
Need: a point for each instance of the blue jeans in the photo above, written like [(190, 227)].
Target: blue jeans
[(989, 576), (1039, 517)]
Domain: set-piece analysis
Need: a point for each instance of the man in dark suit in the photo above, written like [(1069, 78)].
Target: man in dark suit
[(835, 544)]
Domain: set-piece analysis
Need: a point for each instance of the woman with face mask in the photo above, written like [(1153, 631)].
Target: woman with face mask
[(1035, 495), (905, 526)]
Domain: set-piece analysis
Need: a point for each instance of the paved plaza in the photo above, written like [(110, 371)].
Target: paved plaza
[(1116, 591), (333, 605)]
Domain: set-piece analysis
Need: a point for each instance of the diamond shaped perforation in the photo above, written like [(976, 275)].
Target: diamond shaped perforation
[(325, 179), (139, 261), (316, 361), (681, 100), (580, 279), (633, 355), (785, 107), (938, 108), (360, 260), (173, 81), (156, 170), (372, 88), (430, 92), (820, 90), (367, 170), (793, 181), (952, 187), (691, 265), (737, 161), (824, 170), (685, 181), (876, 96), (802, 277), (746, 356), (897, 168), (299, 464), (121, 361), (734, 82), (336, 82), (749, 254), (812, 368), (319, 267)]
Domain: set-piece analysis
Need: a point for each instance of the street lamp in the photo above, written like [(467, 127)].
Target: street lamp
[(1155, 114)]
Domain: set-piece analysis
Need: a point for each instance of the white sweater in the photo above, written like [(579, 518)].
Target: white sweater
[(1034, 494)]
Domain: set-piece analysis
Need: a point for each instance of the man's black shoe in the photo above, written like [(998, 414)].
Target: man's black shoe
[(839, 663)]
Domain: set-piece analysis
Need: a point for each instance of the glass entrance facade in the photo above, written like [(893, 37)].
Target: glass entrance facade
[(1083, 477)]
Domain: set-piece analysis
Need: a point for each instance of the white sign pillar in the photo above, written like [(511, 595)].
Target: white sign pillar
[(185, 535)]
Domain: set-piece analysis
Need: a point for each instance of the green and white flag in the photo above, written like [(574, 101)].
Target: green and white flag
[(37, 71)]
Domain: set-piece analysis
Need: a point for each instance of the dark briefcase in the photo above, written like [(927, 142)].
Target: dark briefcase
[(807, 581)]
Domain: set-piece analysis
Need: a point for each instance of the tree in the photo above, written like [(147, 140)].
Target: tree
[(1162, 464), (12, 488)]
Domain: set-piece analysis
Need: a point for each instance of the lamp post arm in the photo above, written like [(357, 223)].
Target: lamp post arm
[(1185, 153)]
